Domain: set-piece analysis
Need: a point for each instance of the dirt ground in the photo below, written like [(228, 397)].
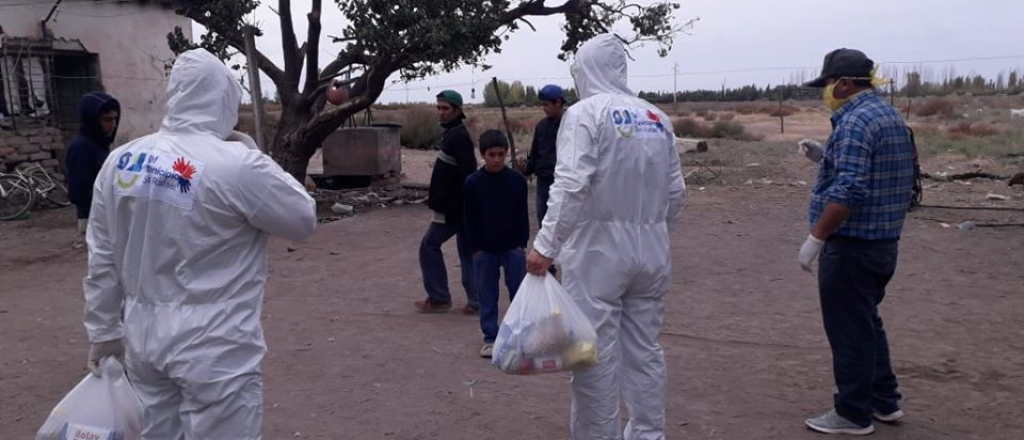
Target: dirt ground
[(747, 356)]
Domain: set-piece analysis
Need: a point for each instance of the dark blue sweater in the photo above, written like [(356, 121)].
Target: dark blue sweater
[(543, 152), (496, 218), (89, 149)]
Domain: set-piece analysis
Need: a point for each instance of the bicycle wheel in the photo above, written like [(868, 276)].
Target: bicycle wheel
[(58, 195), (54, 191), (16, 197)]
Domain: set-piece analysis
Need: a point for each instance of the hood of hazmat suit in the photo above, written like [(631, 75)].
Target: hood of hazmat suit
[(618, 186), (178, 231)]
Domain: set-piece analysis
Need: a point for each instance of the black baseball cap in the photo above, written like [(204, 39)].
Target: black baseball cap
[(843, 62)]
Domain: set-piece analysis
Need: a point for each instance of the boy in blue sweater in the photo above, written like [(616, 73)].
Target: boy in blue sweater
[(497, 229)]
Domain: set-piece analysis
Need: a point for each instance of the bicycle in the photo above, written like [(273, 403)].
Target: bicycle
[(18, 191)]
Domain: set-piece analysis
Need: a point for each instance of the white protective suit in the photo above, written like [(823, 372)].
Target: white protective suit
[(179, 232), (618, 186)]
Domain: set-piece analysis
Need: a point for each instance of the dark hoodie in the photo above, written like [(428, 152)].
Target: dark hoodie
[(455, 162), (89, 149)]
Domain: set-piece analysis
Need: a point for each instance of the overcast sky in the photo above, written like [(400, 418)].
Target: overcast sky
[(736, 42)]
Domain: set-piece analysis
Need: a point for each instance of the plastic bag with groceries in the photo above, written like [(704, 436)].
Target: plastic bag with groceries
[(98, 408), (544, 331)]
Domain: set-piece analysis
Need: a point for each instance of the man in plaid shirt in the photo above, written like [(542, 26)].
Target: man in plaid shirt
[(863, 192)]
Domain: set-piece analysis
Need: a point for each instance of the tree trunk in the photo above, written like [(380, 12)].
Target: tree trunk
[(298, 136), (288, 147)]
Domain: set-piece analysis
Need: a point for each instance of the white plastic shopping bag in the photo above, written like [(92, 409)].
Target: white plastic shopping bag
[(98, 408), (544, 331)]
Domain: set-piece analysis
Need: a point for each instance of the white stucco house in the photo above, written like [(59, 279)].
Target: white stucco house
[(52, 52)]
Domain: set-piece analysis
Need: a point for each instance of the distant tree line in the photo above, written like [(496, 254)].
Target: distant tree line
[(515, 94), (913, 84), (746, 93)]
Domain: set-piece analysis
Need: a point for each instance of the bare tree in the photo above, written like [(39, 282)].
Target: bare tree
[(414, 38)]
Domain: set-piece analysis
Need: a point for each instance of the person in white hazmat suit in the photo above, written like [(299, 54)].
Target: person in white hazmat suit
[(179, 234), (618, 187)]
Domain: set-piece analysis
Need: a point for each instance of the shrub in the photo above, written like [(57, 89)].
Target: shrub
[(711, 117), (692, 128), (728, 130), (420, 129), (688, 127), (727, 116), (701, 112), (684, 113), (937, 107)]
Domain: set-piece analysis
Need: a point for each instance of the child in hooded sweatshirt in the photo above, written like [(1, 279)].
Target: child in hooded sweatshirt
[(497, 228), (99, 115)]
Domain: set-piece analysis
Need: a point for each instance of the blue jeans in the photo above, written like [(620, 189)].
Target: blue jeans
[(435, 273), (543, 193), (852, 277), (487, 266)]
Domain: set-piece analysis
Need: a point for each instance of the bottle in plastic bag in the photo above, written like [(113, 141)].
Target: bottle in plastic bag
[(544, 331), (98, 408)]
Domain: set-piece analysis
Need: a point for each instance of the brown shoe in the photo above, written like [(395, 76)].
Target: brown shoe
[(470, 309), (428, 306)]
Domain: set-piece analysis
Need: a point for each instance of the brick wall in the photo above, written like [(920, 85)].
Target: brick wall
[(32, 142)]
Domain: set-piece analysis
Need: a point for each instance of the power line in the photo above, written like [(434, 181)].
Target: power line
[(37, 4)]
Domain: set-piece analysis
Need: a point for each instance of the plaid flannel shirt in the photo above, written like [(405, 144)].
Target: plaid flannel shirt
[(868, 166)]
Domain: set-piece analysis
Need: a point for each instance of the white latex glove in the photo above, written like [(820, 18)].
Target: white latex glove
[(811, 149), (809, 251), (100, 350)]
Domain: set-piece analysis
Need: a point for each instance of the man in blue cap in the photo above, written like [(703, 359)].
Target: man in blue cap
[(543, 153), (455, 162)]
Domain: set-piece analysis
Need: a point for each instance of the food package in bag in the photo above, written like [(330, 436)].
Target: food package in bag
[(544, 331), (98, 408)]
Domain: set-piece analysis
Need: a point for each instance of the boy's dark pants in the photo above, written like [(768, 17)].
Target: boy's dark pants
[(487, 265)]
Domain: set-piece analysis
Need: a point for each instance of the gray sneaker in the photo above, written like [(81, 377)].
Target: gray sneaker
[(892, 417), (833, 423)]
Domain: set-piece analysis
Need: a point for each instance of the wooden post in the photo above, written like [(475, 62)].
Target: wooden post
[(504, 117), (254, 85), (782, 116)]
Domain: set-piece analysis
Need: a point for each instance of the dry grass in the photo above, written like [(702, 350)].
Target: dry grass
[(776, 111), (977, 129)]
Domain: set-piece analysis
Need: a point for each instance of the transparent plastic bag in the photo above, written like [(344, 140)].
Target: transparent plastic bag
[(544, 331), (98, 408)]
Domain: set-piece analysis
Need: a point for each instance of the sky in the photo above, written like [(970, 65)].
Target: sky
[(735, 42)]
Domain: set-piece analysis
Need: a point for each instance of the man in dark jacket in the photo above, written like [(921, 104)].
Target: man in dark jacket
[(543, 154), (99, 116), (455, 162)]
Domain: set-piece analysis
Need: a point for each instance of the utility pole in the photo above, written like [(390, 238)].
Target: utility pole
[(675, 85), (254, 84)]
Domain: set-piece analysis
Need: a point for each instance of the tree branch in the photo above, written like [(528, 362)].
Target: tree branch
[(313, 49), (234, 39), (289, 44), (537, 8), (367, 89)]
